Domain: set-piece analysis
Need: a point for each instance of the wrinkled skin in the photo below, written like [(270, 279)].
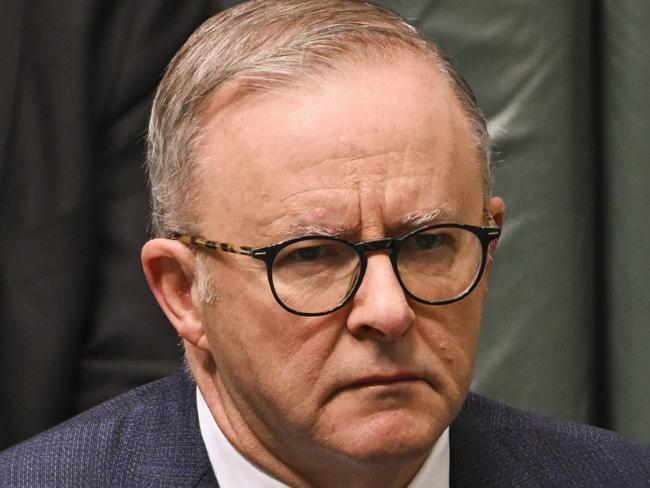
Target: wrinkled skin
[(358, 152)]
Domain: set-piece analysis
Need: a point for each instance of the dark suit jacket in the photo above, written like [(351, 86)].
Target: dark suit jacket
[(150, 437), (77, 322)]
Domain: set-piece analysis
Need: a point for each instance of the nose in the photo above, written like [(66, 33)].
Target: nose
[(380, 309)]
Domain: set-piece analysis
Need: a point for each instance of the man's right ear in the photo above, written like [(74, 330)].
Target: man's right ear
[(169, 266)]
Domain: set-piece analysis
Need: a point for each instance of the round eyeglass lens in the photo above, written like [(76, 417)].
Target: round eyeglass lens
[(314, 275), (440, 264)]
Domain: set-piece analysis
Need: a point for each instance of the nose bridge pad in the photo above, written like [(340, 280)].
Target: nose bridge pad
[(377, 245)]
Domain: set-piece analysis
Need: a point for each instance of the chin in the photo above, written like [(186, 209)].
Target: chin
[(398, 434)]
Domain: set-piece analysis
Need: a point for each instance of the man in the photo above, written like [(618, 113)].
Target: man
[(321, 195)]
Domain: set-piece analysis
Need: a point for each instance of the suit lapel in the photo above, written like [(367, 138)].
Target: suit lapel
[(12, 15)]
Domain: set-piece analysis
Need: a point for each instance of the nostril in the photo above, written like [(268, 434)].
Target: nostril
[(370, 332), (381, 327)]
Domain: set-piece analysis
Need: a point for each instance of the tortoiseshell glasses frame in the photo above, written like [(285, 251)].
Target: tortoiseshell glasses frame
[(346, 250)]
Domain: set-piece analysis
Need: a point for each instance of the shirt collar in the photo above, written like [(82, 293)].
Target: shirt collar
[(232, 469)]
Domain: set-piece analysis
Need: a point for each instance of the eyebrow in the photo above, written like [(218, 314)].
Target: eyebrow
[(425, 217), (412, 219), (298, 230)]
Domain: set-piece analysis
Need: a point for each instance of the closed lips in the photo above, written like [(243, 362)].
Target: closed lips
[(382, 380)]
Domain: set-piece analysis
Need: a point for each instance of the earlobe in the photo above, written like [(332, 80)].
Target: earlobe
[(169, 268)]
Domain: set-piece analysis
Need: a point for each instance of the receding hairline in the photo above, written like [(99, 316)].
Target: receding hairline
[(238, 88), (273, 56), (234, 92)]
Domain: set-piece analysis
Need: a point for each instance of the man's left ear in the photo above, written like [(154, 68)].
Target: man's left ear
[(497, 209), (170, 270)]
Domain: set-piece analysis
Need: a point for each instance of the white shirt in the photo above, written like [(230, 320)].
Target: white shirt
[(233, 470)]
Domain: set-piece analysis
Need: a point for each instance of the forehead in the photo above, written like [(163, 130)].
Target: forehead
[(362, 146)]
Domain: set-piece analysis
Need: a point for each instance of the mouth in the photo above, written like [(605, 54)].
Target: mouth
[(401, 383), (383, 380)]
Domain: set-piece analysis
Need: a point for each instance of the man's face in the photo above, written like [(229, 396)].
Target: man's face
[(360, 151)]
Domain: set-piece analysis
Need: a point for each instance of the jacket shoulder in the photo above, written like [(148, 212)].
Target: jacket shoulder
[(532, 450), (135, 435)]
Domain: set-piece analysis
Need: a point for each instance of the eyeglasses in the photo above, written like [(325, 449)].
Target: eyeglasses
[(316, 275)]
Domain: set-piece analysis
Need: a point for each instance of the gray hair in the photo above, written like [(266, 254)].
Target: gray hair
[(265, 45)]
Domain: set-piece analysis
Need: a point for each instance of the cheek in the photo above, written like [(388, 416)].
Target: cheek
[(452, 335), (266, 357)]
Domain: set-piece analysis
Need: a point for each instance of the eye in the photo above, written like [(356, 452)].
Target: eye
[(432, 243), (308, 254), (427, 242), (314, 252)]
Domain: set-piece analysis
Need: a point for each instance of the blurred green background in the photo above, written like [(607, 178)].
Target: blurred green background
[(566, 88)]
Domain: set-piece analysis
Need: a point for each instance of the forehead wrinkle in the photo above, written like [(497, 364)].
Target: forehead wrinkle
[(327, 212), (292, 195)]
